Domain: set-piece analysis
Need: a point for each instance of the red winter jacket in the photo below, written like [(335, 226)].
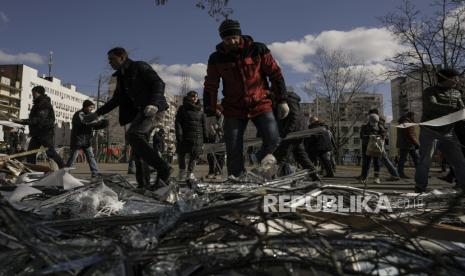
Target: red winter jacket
[(244, 77)]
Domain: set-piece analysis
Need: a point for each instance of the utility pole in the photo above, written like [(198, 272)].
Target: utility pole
[(50, 63), (98, 103)]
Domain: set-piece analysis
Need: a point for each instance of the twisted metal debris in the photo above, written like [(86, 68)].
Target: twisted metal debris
[(222, 229)]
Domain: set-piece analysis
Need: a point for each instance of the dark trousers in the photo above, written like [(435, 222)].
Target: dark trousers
[(325, 157), (138, 135), (215, 163), (366, 160), (45, 141), (403, 153), (296, 148), (193, 156)]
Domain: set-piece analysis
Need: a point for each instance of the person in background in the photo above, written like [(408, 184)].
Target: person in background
[(191, 131), (407, 143), (81, 136), (41, 124)]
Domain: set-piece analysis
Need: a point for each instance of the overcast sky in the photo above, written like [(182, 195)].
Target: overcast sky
[(179, 38)]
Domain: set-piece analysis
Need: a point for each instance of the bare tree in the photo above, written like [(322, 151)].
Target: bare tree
[(429, 42), (215, 8), (338, 77)]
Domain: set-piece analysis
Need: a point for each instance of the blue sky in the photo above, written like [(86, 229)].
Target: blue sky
[(180, 37)]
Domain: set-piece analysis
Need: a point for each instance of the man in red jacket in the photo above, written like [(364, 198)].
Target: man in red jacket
[(244, 67)]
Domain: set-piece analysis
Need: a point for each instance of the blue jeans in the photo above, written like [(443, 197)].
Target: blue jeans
[(90, 159), (389, 166), (403, 153), (234, 129), (449, 145)]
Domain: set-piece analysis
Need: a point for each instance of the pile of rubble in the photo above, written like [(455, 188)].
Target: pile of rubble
[(57, 224)]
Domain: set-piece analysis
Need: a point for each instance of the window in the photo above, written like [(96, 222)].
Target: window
[(356, 129), (356, 141)]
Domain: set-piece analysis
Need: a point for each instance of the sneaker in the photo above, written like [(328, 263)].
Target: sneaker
[(377, 180), (362, 180), (191, 176), (131, 170), (419, 190), (182, 175)]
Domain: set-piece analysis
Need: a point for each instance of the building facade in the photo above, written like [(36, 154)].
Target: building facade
[(66, 100)]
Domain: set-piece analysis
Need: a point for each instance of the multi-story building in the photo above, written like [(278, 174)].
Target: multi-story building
[(65, 99)]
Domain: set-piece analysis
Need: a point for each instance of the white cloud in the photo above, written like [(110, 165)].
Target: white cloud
[(21, 58), (172, 75), (4, 18), (373, 46)]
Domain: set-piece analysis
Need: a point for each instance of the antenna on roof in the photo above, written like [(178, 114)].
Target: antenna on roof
[(50, 63)]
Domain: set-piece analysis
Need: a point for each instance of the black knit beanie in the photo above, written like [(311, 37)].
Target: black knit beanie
[(39, 89), (87, 103), (230, 27)]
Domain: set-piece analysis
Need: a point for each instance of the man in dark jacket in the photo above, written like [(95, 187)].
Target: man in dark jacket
[(440, 100), (319, 146), (407, 143), (244, 66), (140, 96), (41, 124), (159, 141), (293, 122), (81, 136), (191, 130)]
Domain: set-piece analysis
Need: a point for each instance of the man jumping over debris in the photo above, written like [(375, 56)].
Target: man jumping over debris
[(41, 124), (243, 67), (81, 136), (294, 147), (140, 96)]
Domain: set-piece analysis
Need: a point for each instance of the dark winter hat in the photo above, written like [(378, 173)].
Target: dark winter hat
[(192, 93), (447, 73), (39, 89), (230, 27), (87, 103)]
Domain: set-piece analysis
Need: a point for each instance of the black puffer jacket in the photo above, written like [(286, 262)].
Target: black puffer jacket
[(41, 120), (294, 120), (138, 86), (81, 133), (191, 127)]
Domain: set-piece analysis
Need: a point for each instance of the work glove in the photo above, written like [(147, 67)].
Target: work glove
[(283, 110), (89, 118), (150, 110)]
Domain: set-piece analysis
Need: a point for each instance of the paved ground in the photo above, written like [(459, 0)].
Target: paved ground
[(345, 175)]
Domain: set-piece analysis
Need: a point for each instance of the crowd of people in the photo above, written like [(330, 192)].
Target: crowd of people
[(254, 90)]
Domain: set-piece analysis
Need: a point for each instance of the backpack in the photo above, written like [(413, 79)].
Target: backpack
[(375, 147)]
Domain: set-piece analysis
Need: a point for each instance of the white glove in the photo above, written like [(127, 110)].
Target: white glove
[(150, 110), (283, 110), (89, 118)]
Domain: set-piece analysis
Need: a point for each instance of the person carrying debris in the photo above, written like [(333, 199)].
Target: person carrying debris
[(215, 135), (294, 147), (407, 143), (371, 131), (243, 66), (140, 96), (440, 100), (81, 136), (159, 141), (41, 124), (191, 131), (319, 146)]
